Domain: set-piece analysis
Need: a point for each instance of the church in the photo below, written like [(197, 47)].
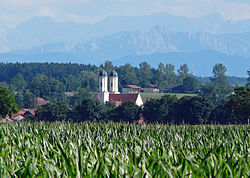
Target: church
[(108, 90)]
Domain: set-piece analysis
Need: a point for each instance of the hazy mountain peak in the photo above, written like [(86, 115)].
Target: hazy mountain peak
[(42, 30)]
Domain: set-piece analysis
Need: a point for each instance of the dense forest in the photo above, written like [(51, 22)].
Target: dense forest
[(72, 88), (163, 75)]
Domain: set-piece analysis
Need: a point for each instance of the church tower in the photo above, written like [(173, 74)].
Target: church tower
[(103, 94), (113, 82)]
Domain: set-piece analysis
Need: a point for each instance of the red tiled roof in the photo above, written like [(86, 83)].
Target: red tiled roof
[(132, 86), (123, 97), (23, 111), (41, 101), (33, 111), (16, 114)]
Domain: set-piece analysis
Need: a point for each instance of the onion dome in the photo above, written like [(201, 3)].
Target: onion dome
[(113, 74), (103, 73)]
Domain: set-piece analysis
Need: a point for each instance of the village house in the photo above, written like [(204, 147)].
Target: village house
[(22, 113)]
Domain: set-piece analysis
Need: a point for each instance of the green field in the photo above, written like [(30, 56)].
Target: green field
[(121, 150), (158, 95)]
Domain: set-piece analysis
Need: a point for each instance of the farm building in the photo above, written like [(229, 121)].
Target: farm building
[(131, 89), (149, 90)]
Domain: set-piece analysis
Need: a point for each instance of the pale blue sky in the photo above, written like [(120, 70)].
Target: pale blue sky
[(13, 12)]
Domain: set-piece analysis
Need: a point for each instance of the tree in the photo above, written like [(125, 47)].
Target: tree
[(127, 75), (29, 99), (170, 74), (48, 88), (56, 90), (248, 79), (183, 71), (190, 84), (72, 83), (160, 77), (127, 112), (53, 112), (239, 103), (90, 109), (18, 83), (222, 114), (89, 80), (219, 71), (218, 89), (110, 109), (145, 74), (77, 98), (3, 84), (40, 85), (157, 110), (19, 99), (7, 103), (192, 110)]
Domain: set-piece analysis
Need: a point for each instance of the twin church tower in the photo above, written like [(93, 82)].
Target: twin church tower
[(103, 93)]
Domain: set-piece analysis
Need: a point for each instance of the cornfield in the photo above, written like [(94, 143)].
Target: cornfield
[(123, 150)]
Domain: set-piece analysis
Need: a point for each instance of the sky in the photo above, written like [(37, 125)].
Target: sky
[(13, 12)]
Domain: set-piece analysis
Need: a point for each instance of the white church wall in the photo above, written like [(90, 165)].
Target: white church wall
[(139, 101)]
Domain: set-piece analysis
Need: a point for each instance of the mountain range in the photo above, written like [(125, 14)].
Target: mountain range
[(155, 38), (39, 31)]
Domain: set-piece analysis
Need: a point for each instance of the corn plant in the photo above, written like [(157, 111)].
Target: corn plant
[(123, 150)]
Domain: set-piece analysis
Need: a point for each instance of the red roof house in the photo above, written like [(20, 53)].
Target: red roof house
[(23, 113)]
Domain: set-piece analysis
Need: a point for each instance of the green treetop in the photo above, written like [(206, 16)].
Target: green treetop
[(7, 103)]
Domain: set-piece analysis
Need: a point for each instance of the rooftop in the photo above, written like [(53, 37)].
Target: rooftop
[(132, 86), (123, 97)]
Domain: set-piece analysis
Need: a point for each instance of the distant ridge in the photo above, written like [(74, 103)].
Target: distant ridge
[(200, 62), (43, 30)]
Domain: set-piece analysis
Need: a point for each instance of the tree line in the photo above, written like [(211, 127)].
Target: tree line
[(167, 109), (213, 100), (52, 80)]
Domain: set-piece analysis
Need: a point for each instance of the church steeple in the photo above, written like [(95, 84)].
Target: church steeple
[(103, 81), (113, 82), (103, 94)]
